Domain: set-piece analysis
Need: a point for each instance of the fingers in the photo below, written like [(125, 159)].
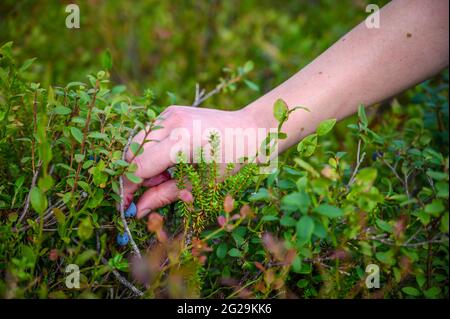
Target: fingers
[(155, 159), (156, 180), (157, 156), (130, 188), (156, 197)]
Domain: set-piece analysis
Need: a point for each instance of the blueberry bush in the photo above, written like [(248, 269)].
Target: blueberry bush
[(363, 196)]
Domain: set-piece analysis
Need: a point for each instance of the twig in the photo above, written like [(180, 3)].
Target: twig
[(339, 270), (27, 200), (119, 277), (76, 228), (85, 132), (434, 240), (359, 160), (123, 281), (413, 236), (144, 140), (394, 171), (406, 181), (200, 96), (122, 208), (33, 141)]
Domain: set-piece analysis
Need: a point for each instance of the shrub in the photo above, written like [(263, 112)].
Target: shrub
[(373, 192)]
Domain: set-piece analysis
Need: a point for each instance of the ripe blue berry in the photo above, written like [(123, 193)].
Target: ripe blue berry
[(122, 239), (93, 158), (131, 211), (376, 155)]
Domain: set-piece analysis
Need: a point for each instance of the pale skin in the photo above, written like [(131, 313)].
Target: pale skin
[(366, 66)]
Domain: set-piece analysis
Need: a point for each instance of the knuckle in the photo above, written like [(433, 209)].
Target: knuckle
[(177, 117), (163, 200)]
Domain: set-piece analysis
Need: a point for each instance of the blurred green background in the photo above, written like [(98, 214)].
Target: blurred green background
[(171, 45)]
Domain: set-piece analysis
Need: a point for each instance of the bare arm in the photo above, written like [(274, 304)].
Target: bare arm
[(365, 66)]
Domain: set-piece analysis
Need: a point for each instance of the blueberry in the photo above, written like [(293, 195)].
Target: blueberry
[(93, 158), (377, 155), (131, 211), (122, 239)]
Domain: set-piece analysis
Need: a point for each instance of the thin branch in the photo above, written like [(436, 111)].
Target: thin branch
[(200, 96), (33, 140), (359, 160), (122, 204), (85, 132), (394, 171), (413, 236), (406, 181), (435, 240), (123, 281), (118, 276), (27, 200)]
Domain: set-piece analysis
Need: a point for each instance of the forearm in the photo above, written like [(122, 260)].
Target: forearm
[(366, 66)]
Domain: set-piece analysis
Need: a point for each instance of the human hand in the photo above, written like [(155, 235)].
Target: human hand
[(185, 129)]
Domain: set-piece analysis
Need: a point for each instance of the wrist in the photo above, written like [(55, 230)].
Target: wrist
[(259, 115)]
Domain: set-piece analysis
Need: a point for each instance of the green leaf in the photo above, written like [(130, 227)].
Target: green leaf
[(411, 291), (329, 211), (297, 200), (98, 135), (366, 176), (442, 189), (99, 177), (308, 145), (238, 239), (432, 293), (251, 85), (305, 228), (288, 221), (85, 228), (384, 226), (151, 114), (386, 257), (248, 66), (38, 200), (280, 110), (325, 127), (438, 176), (362, 115), (77, 134), (61, 110), (307, 167), (269, 218), (85, 256), (45, 182), (79, 158), (106, 60), (221, 250), (133, 178), (134, 147), (59, 215), (234, 252), (172, 97), (443, 227), (297, 264), (122, 163), (435, 208), (261, 194), (26, 64)]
